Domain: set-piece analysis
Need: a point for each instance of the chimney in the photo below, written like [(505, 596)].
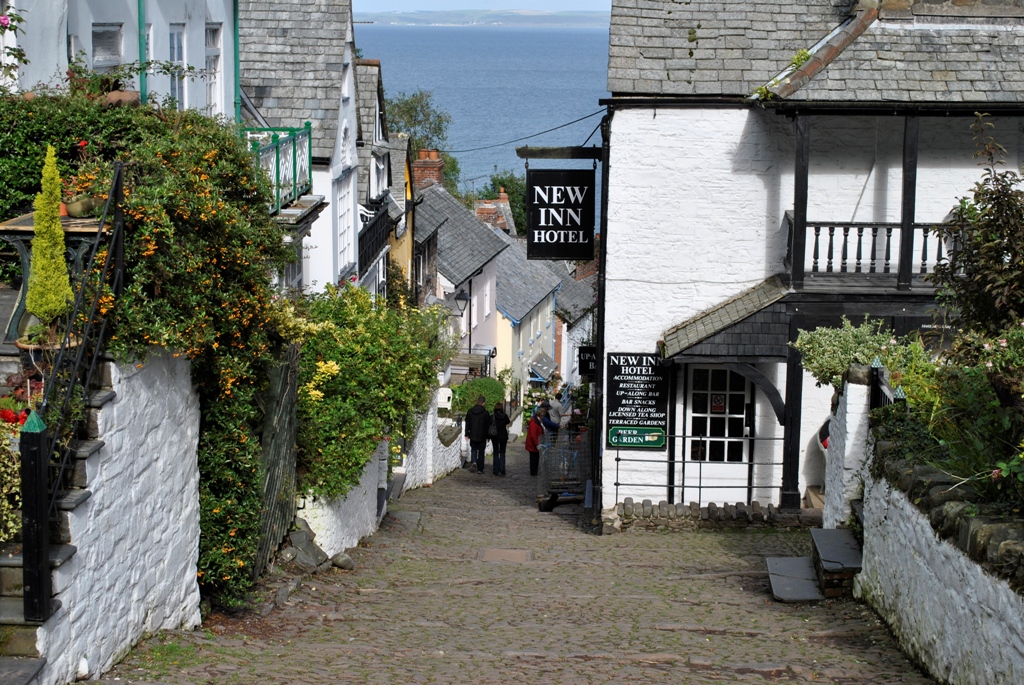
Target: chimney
[(502, 195), (428, 166)]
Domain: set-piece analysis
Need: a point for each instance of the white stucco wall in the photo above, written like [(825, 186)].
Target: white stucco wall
[(428, 459), (696, 202), (847, 452), (138, 535), (965, 626)]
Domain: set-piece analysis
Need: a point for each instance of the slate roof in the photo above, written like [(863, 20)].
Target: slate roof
[(576, 298), (522, 284), (464, 243), (292, 55), (906, 53), (369, 85), (732, 311)]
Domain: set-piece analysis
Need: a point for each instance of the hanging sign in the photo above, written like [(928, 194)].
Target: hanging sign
[(560, 214), (638, 387), (586, 361)]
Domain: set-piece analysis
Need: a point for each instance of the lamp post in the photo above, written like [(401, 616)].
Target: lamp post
[(461, 301)]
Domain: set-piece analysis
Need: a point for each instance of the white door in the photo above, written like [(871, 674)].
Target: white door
[(718, 436)]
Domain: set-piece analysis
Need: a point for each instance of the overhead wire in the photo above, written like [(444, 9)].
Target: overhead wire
[(533, 135)]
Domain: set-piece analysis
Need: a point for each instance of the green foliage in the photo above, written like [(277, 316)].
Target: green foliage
[(515, 187), (362, 378), (427, 126), (828, 352), (981, 283), (49, 285), (399, 292), (464, 396), (800, 58), (10, 489)]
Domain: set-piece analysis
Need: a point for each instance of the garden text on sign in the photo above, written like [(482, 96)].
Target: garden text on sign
[(560, 214), (638, 388)]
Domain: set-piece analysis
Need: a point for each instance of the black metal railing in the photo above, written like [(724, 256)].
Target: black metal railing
[(881, 392), (373, 238), (685, 478), (47, 450), (835, 247)]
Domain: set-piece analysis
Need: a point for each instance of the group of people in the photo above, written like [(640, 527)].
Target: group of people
[(482, 425)]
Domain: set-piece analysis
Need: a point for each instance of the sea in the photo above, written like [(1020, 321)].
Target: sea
[(498, 84)]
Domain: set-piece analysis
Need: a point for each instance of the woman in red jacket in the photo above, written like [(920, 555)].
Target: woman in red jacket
[(534, 436)]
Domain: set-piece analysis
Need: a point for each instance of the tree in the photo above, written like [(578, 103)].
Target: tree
[(427, 126), (982, 281), (515, 187), (49, 286)]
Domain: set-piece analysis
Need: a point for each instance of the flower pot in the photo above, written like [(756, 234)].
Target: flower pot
[(83, 207), (63, 209)]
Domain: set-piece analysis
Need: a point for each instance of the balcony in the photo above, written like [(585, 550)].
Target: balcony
[(285, 154), (373, 237), (834, 254)]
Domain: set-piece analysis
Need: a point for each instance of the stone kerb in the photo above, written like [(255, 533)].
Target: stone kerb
[(848, 441), (927, 572), (138, 535), (665, 516)]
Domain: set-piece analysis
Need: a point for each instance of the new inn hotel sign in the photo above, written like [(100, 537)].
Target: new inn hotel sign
[(560, 214)]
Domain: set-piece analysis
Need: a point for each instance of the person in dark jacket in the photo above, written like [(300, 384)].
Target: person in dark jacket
[(534, 438), (478, 421), (500, 439)]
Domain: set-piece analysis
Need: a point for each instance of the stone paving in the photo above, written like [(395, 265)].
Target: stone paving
[(427, 604)]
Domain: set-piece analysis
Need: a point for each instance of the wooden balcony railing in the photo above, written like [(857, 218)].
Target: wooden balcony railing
[(869, 248), (373, 237), (286, 155)]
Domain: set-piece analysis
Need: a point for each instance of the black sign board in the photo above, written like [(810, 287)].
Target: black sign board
[(637, 398), (560, 214), (586, 361)]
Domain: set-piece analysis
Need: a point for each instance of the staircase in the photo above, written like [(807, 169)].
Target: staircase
[(20, 661), (828, 573)]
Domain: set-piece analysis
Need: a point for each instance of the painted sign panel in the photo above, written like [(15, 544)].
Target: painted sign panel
[(638, 387), (560, 214), (586, 361)]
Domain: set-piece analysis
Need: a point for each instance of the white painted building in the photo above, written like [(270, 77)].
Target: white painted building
[(735, 218), (200, 34)]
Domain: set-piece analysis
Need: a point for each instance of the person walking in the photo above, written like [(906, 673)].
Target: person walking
[(478, 421), (551, 419), (499, 428), (534, 437)]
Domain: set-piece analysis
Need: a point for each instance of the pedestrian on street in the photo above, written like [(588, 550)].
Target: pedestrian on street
[(478, 421), (499, 424), (549, 422), (534, 437)]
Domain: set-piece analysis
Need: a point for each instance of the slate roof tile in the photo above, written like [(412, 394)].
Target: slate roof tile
[(521, 284), (464, 243)]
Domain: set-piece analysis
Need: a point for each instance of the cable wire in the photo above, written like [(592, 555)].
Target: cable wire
[(534, 135)]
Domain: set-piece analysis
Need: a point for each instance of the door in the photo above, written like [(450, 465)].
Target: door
[(718, 436)]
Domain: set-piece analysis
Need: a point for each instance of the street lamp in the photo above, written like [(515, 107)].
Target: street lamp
[(461, 300)]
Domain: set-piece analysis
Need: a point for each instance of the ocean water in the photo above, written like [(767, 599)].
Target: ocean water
[(498, 84)]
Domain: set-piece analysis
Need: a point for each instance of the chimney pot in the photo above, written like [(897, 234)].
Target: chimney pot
[(422, 154), (434, 155)]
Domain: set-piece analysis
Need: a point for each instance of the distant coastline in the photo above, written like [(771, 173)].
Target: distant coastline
[(513, 18)]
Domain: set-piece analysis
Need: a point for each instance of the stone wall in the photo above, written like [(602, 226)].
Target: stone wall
[(847, 451), (665, 516), (964, 625), (138, 535), (428, 458)]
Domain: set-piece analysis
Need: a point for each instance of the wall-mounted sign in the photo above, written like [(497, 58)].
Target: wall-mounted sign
[(718, 403), (586, 361), (560, 214), (638, 387)]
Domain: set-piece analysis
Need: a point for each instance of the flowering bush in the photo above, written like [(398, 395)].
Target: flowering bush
[(10, 489)]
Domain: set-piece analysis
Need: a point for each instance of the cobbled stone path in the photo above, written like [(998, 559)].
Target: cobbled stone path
[(637, 607)]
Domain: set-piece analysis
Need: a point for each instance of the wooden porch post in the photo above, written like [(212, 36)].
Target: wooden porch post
[(800, 173), (790, 497), (911, 131)]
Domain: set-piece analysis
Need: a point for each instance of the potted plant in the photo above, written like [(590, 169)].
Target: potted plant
[(49, 284), (86, 190)]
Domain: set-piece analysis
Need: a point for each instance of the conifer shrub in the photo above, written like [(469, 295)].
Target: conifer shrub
[(49, 285)]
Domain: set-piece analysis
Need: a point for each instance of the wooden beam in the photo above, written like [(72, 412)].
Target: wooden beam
[(911, 135), (801, 173), (560, 153)]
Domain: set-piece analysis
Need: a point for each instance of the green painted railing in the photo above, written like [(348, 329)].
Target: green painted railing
[(286, 155)]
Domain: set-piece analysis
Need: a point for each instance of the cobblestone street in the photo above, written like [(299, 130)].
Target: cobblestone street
[(423, 606)]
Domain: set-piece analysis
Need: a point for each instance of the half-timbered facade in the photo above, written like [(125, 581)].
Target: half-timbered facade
[(754, 190)]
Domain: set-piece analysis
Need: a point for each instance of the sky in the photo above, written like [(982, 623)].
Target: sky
[(412, 5)]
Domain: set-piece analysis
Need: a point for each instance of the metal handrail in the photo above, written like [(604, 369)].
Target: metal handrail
[(288, 160)]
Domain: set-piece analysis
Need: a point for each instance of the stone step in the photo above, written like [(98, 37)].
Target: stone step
[(837, 559), (12, 613), (10, 555), (100, 397), (19, 670), (814, 498), (78, 473), (793, 579)]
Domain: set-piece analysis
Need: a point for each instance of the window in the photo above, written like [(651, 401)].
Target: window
[(176, 55), (74, 48), (343, 212), (718, 406), (487, 300), (149, 42), (106, 46), (420, 266), (214, 102), (476, 309)]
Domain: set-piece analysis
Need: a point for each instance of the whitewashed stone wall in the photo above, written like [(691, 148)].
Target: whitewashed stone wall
[(696, 201), (138, 535), (965, 626), (848, 445), (428, 459)]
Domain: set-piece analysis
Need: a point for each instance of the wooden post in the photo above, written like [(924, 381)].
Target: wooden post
[(801, 173), (35, 462), (790, 497), (911, 134)]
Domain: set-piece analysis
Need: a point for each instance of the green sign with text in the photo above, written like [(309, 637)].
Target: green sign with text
[(636, 437)]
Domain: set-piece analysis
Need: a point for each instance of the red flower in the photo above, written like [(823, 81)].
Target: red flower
[(8, 416), (83, 143)]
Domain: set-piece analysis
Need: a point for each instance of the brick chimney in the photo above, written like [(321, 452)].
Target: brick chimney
[(427, 167)]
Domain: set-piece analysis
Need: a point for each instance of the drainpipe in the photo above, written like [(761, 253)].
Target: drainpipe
[(143, 39), (238, 72)]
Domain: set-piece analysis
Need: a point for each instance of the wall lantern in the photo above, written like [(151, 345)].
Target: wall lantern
[(461, 301)]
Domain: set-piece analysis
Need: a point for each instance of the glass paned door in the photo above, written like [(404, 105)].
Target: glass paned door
[(719, 417)]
